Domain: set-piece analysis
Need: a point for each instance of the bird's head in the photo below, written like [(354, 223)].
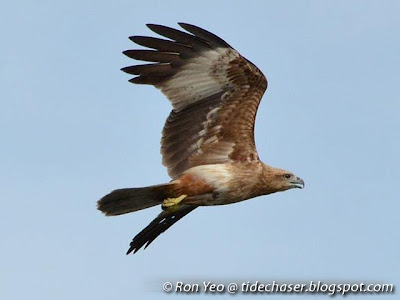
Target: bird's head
[(277, 180)]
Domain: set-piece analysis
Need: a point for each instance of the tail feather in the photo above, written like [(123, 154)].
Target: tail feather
[(128, 200), (160, 224)]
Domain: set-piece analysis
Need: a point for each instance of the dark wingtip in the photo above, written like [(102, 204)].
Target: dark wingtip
[(204, 34), (187, 26), (132, 70), (152, 26), (182, 24), (133, 38)]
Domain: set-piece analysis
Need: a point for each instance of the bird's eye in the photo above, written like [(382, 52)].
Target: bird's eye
[(287, 176)]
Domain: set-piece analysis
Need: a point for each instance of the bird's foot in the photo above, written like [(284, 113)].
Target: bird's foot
[(172, 203)]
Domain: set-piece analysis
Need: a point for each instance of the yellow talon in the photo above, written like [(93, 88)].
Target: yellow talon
[(171, 203)]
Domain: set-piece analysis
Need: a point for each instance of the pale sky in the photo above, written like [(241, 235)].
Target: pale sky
[(73, 128)]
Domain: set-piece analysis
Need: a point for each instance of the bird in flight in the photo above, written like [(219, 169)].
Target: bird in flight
[(207, 142)]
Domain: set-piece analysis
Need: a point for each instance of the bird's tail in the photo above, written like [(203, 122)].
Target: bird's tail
[(128, 200)]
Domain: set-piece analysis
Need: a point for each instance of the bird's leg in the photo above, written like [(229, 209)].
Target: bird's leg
[(171, 204)]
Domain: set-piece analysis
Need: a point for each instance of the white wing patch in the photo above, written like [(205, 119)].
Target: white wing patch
[(201, 77)]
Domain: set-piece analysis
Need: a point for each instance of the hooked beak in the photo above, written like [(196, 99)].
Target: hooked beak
[(298, 183)]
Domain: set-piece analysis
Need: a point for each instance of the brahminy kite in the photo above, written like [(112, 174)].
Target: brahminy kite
[(208, 139)]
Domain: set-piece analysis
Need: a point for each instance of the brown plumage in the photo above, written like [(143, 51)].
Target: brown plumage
[(208, 139)]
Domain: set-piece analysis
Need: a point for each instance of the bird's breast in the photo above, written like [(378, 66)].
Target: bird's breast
[(217, 184)]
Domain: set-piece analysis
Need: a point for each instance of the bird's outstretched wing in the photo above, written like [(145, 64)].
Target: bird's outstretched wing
[(161, 223), (214, 91)]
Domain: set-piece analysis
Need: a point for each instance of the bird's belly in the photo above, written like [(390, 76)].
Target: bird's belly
[(219, 185), (212, 199)]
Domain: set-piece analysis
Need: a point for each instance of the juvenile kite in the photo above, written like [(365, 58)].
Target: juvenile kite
[(208, 139)]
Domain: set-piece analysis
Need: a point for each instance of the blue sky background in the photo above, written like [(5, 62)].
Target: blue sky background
[(72, 129)]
